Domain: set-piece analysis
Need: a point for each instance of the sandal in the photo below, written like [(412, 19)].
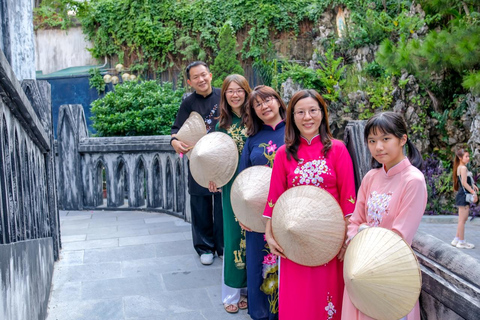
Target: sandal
[(243, 304), (230, 308)]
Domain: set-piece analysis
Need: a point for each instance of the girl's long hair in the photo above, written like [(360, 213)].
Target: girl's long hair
[(254, 123), (456, 162), (392, 123), (225, 109), (292, 134)]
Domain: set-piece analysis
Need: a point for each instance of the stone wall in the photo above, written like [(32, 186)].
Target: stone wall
[(17, 39), (59, 49), (131, 173), (29, 219), (26, 271)]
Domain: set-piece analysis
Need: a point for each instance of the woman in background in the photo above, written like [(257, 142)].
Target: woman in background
[(463, 183)]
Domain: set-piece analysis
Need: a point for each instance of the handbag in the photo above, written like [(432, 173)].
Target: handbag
[(468, 195)]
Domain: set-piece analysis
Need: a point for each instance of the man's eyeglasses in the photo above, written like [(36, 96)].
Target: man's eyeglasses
[(314, 112), (266, 102)]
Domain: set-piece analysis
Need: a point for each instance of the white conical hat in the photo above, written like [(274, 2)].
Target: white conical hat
[(192, 130), (308, 224), (249, 195), (382, 275), (214, 158)]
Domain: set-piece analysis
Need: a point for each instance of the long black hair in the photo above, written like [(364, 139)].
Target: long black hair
[(392, 123)]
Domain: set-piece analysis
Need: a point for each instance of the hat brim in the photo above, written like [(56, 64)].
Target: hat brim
[(192, 130), (308, 224), (214, 158), (249, 195), (382, 275)]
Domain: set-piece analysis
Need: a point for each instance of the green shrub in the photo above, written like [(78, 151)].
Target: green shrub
[(136, 109), (226, 62)]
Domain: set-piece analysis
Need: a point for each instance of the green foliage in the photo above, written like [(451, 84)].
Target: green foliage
[(305, 76), (54, 14), (472, 82), (96, 80), (330, 74), (268, 70), (134, 109), (451, 52), (166, 33), (226, 62)]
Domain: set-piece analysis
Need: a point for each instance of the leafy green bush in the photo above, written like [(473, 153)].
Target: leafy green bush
[(226, 62), (166, 33), (96, 80), (137, 109), (51, 14)]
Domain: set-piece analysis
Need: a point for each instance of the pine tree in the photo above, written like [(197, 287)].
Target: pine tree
[(226, 62)]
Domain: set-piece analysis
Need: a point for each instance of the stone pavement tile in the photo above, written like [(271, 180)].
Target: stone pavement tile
[(62, 213), (167, 304), (168, 227), (111, 309), (144, 285), (76, 218), (66, 292), (187, 235), (192, 279), (73, 238), (175, 248), (100, 230), (156, 238), (79, 213), (70, 257), (74, 223), (90, 244), (163, 218), (118, 234), (139, 215), (158, 266), (145, 225), (120, 254), (87, 272), (109, 222)]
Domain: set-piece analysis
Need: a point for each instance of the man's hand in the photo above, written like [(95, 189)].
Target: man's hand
[(180, 147)]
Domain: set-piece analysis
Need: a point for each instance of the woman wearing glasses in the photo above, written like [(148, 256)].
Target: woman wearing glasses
[(266, 133), (310, 157), (233, 99)]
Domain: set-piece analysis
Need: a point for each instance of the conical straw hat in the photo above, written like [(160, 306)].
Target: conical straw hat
[(308, 224), (192, 130), (249, 195), (214, 158), (381, 273)]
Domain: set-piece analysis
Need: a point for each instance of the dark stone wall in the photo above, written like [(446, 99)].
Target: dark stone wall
[(26, 271)]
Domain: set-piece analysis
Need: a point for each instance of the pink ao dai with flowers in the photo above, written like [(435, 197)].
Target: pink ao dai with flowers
[(393, 200), (312, 292)]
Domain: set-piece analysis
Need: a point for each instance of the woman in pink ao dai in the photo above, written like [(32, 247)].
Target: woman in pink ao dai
[(310, 156), (393, 195)]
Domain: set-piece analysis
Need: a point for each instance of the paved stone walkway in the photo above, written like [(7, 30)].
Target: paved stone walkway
[(131, 265), (119, 265)]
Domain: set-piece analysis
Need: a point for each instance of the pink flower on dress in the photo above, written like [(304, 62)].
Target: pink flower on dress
[(271, 147), (270, 259)]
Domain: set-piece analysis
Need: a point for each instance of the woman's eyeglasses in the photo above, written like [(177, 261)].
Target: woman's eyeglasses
[(314, 112), (266, 102), (239, 92)]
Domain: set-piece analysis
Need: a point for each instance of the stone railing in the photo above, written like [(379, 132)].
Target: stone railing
[(450, 278), (127, 173), (29, 219)]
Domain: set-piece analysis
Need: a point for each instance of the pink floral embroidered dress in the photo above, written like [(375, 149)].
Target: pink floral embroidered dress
[(312, 292), (393, 200)]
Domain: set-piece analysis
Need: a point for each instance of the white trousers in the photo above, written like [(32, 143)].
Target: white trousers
[(231, 295)]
